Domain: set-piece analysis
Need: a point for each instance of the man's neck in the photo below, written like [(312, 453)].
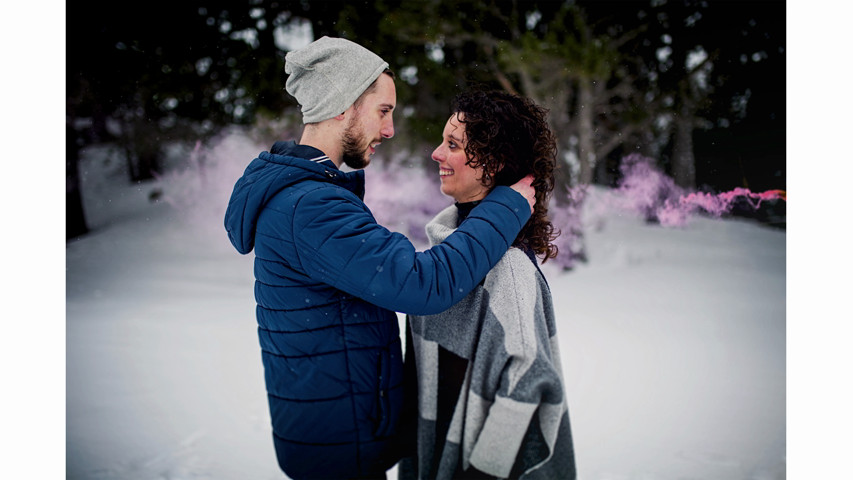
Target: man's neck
[(323, 138)]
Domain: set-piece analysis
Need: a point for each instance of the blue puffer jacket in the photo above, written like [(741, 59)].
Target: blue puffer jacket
[(328, 280)]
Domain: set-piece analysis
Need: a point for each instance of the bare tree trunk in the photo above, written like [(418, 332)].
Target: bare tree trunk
[(75, 220), (586, 148), (558, 120), (141, 143), (683, 160)]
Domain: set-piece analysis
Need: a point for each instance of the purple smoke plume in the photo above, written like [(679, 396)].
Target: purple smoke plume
[(405, 199), (646, 189)]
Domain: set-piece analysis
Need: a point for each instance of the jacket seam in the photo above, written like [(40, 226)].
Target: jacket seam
[(302, 309), (494, 226), (308, 330), (320, 354), (297, 442), (329, 399)]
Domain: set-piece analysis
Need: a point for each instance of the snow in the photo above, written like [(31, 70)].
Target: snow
[(673, 344), (156, 342)]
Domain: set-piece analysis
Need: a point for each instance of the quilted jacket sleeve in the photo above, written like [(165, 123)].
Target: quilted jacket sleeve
[(339, 243)]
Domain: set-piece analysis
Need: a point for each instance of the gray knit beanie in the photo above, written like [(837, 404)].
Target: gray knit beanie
[(328, 75)]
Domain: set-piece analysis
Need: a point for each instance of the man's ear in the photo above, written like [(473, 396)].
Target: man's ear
[(345, 113)]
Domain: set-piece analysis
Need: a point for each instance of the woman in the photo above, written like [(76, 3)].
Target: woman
[(490, 392)]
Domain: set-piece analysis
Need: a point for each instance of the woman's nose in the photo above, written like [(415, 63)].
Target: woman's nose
[(437, 154)]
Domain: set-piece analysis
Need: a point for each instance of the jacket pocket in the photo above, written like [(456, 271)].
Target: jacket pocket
[(383, 401)]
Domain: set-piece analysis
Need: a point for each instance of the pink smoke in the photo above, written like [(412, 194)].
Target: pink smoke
[(644, 188), (199, 187), (404, 199), (567, 217)]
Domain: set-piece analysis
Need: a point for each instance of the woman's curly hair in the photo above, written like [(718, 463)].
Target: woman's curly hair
[(508, 137)]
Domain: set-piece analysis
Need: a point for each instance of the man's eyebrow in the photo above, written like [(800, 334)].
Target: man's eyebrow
[(387, 105)]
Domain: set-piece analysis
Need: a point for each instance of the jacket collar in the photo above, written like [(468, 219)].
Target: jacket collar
[(293, 149), (319, 163)]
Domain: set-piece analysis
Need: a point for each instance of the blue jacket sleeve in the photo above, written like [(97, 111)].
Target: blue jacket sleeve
[(338, 242)]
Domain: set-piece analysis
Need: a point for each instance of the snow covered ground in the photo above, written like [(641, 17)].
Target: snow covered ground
[(156, 347), (673, 344)]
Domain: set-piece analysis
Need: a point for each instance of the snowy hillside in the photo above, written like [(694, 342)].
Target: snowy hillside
[(673, 342)]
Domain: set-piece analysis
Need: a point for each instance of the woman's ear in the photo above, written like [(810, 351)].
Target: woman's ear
[(496, 170)]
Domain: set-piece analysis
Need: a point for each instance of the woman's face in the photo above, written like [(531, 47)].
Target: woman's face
[(458, 180)]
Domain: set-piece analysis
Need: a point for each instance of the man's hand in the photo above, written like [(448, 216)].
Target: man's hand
[(526, 190)]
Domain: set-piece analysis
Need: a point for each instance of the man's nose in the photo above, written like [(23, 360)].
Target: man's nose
[(388, 129)]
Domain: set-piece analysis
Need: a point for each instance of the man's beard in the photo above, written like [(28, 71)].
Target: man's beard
[(354, 156)]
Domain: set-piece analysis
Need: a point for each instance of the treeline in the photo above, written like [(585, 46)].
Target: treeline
[(697, 85)]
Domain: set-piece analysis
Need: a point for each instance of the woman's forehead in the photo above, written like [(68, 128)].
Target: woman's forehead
[(455, 126)]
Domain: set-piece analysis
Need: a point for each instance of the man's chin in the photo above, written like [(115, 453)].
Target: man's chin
[(356, 162)]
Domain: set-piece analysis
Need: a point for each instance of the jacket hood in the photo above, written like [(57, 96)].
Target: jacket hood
[(269, 174)]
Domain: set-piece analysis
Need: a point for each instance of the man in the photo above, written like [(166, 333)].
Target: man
[(329, 278)]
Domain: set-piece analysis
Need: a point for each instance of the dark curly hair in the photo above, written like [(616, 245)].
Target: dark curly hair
[(508, 137)]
